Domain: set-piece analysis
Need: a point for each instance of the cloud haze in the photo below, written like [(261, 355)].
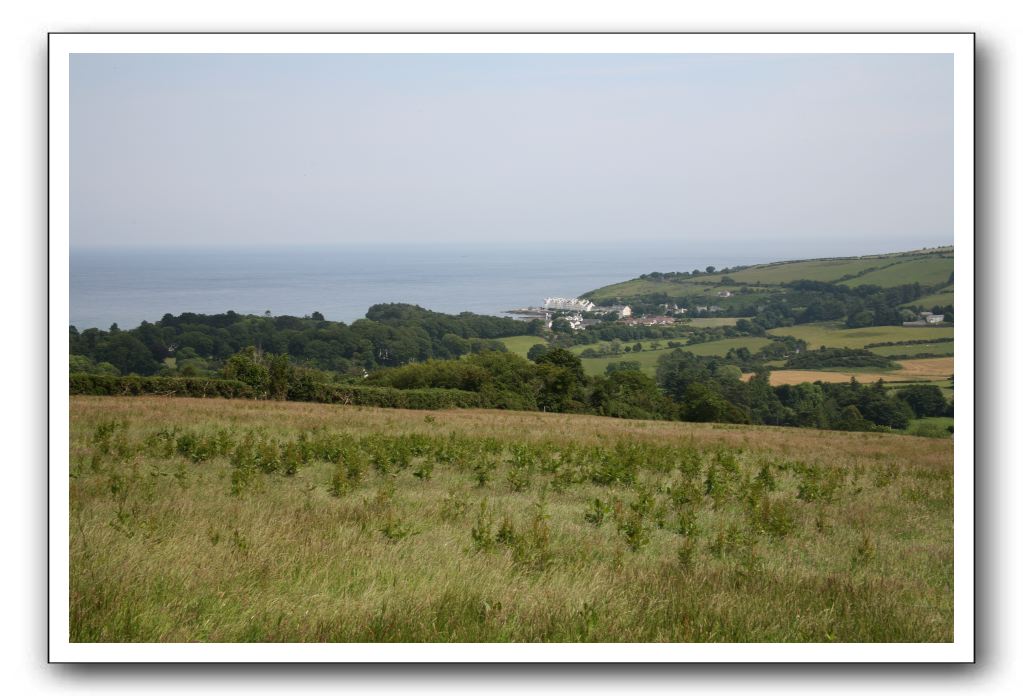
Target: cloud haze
[(329, 149)]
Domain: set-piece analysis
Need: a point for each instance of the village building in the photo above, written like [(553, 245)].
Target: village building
[(568, 304), (649, 321)]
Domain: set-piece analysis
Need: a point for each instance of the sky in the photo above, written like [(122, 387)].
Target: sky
[(197, 150)]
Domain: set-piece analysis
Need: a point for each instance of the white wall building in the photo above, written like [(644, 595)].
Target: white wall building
[(568, 304)]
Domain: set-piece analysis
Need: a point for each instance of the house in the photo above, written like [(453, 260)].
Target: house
[(926, 319), (725, 293)]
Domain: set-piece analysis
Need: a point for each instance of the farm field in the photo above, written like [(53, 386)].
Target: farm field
[(943, 348), (930, 267), (753, 343), (704, 322), (647, 359), (217, 520), (835, 335), (606, 345), (823, 270), (930, 270), (945, 297), (520, 345), (925, 370)]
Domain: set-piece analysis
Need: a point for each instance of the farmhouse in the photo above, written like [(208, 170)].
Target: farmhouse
[(621, 310), (926, 319)]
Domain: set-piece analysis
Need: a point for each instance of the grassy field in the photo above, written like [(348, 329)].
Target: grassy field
[(923, 370), (943, 348), (931, 270), (647, 359), (824, 270), (835, 335), (214, 520), (927, 268), (520, 345), (606, 345), (704, 322), (945, 297), (930, 427)]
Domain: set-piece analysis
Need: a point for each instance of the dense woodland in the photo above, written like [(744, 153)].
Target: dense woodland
[(390, 335)]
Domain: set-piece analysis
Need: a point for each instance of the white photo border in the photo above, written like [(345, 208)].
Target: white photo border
[(62, 45)]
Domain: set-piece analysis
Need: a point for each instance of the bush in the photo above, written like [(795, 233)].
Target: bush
[(837, 357), (106, 385), (925, 399)]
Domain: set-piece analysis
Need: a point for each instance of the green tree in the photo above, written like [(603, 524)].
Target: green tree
[(247, 366), (925, 399), (536, 351)]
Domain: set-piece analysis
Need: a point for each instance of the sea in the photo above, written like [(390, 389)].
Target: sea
[(127, 286)]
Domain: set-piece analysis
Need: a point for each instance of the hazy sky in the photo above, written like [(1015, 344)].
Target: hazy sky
[(323, 149)]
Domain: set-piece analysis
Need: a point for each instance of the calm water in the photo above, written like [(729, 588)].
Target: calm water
[(130, 286)]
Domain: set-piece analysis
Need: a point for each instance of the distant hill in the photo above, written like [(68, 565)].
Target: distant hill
[(731, 288)]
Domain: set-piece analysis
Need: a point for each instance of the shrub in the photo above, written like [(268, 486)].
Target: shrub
[(597, 512), (483, 538)]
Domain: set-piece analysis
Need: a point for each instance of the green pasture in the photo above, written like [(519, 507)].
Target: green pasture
[(520, 345), (835, 335), (930, 270)]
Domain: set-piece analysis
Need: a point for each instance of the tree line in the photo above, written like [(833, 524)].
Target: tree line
[(390, 335)]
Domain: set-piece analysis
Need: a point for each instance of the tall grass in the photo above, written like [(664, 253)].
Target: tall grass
[(198, 520)]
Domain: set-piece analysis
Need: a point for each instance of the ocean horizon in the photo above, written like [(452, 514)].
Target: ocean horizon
[(128, 286)]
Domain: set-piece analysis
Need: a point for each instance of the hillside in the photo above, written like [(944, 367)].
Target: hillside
[(233, 520), (928, 267)]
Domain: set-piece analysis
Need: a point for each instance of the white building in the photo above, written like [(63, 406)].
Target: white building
[(568, 304)]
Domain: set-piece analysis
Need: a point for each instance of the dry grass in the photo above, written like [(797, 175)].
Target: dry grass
[(923, 369), (725, 533)]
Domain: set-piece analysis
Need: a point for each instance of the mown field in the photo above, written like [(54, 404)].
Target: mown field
[(922, 370), (930, 270), (704, 322), (647, 358), (943, 348), (520, 345), (946, 296), (216, 520), (835, 335)]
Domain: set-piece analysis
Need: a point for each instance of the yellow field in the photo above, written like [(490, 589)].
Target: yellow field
[(924, 369)]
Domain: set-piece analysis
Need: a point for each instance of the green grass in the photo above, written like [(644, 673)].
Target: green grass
[(927, 268), (930, 427), (944, 348), (835, 335), (227, 521), (647, 345), (824, 270), (705, 322), (647, 359), (520, 345), (941, 298), (753, 343), (931, 270)]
